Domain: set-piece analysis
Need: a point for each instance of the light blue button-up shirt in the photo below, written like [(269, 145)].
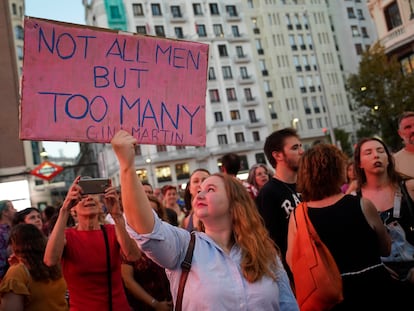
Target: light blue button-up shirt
[(215, 281)]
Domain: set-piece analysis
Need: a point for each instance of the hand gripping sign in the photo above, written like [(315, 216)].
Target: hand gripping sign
[(83, 84)]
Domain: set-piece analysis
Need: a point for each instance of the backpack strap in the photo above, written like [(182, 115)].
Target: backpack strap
[(185, 266)]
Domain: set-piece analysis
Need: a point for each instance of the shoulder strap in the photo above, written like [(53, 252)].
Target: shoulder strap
[(185, 266), (409, 204), (108, 267)]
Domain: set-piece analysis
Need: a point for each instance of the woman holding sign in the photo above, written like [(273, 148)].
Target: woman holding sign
[(235, 264)]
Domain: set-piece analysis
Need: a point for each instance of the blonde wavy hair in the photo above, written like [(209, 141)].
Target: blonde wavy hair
[(258, 249)]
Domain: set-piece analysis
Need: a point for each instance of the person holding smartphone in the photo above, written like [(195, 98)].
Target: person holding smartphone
[(84, 252)]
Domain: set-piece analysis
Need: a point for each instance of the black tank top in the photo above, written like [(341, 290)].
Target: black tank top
[(345, 231)]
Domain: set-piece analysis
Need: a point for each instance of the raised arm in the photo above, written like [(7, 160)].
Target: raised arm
[(128, 246), (136, 205), (56, 241)]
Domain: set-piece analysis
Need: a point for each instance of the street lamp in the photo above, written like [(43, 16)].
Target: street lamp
[(43, 153), (295, 122)]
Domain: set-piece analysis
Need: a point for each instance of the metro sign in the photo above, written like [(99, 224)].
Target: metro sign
[(46, 170)]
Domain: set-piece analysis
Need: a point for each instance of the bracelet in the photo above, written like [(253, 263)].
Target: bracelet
[(154, 302)]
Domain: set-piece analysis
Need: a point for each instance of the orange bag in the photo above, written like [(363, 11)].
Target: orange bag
[(318, 282)]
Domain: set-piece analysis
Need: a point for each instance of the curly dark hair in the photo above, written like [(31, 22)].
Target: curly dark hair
[(29, 244), (321, 172)]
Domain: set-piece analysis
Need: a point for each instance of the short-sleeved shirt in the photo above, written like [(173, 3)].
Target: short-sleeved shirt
[(39, 295)]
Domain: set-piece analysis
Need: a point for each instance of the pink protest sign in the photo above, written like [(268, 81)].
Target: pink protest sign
[(83, 84)]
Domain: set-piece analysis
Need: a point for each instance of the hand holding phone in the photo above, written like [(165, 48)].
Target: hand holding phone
[(94, 185)]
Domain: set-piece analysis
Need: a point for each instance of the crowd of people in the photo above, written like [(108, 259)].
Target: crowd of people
[(74, 257)]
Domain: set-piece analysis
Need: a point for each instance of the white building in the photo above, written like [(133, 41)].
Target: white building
[(272, 64)]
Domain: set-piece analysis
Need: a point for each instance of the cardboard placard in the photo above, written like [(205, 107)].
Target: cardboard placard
[(83, 84)]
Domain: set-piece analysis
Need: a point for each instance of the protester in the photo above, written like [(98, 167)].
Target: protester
[(148, 188), (278, 197), (47, 217), (230, 164), (259, 174), (29, 284), (83, 251), (7, 212), (191, 190), (30, 215), (170, 195), (404, 158), (350, 228), (380, 183), (351, 184), (235, 264)]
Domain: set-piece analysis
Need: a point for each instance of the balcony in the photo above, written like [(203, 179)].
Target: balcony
[(234, 17), (240, 59), (255, 123), (245, 80), (178, 18), (250, 102), (237, 38)]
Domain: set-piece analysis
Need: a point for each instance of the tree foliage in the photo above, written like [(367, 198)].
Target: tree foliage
[(381, 93)]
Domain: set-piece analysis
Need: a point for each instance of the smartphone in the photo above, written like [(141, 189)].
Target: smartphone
[(94, 185)]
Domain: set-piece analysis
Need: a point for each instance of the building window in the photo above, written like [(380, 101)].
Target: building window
[(239, 137), (19, 52), (182, 171), (19, 33), (211, 74), (197, 9), (256, 135), (214, 96), (201, 30), (358, 48), (260, 158), (222, 139), (137, 149), (235, 114), (163, 173), (179, 32), (141, 30), (243, 72), (159, 31), (14, 9), (235, 31), (176, 11), (351, 13), (218, 116), (114, 12), (214, 10), (218, 30), (252, 116), (392, 16), (248, 94), (161, 148), (227, 73), (364, 32), (244, 164), (355, 31), (231, 94), (360, 14), (137, 9), (156, 9), (239, 51), (231, 10), (222, 48)]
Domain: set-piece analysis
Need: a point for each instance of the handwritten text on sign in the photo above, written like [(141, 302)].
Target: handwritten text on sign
[(83, 84)]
